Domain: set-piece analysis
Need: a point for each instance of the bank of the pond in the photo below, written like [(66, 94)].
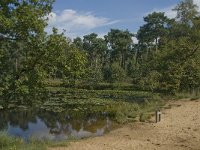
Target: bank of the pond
[(70, 112), (178, 130)]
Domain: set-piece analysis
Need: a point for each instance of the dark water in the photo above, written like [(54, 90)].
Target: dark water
[(49, 125)]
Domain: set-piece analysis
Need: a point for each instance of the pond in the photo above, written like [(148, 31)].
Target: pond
[(48, 125)]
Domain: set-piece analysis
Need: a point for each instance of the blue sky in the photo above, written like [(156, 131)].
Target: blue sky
[(80, 17)]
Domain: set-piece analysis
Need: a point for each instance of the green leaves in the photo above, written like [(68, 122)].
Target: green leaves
[(174, 66), (75, 63), (22, 48), (115, 73), (155, 27), (150, 35), (166, 58), (186, 11), (120, 42)]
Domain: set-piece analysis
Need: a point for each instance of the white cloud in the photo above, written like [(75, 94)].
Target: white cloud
[(168, 11), (75, 23), (197, 2), (101, 35), (135, 40)]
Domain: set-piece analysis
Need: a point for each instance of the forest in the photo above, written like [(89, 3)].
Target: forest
[(165, 59), (96, 74)]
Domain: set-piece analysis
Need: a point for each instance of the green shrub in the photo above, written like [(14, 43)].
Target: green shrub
[(115, 73)]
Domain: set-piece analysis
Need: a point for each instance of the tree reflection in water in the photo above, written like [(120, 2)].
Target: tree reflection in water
[(42, 124)]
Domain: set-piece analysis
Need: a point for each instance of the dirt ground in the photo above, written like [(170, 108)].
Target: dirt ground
[(178, 130)]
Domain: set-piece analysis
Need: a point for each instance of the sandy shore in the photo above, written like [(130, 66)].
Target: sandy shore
[(178, 130)]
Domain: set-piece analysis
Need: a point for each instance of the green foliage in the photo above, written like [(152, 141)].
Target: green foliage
[(144, 117), (96, 49), (74, 66), (156, 26), (28, 56), (115, 73), (186, 11), (150, 82), (122, 106), (82, 96), (120, 42), (174, 67), (22, 47), (126, 112), (166, 58), (190, 78), (93, 77), (11, 143)]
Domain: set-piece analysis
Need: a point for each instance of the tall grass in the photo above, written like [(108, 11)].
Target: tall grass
[(12, 143)]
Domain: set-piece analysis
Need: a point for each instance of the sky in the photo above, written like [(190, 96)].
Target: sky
[(81, 17)]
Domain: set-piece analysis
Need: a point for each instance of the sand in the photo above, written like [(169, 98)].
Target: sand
[(179, 129)]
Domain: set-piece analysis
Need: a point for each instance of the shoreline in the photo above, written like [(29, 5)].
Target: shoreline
[(179, 129)]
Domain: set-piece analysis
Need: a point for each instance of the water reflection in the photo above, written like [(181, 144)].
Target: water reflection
[(42, 124)]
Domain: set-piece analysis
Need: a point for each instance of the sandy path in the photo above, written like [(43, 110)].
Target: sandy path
[(178, 130)]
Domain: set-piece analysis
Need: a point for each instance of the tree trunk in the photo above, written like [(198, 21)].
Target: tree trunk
[(156, 45), (16, 64)]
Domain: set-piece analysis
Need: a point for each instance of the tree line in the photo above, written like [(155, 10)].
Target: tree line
[(165, 59)]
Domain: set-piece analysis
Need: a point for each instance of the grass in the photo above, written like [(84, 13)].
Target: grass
[(11, 143), (184, 95), (144, 117), (106, 86), (148, 108)]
